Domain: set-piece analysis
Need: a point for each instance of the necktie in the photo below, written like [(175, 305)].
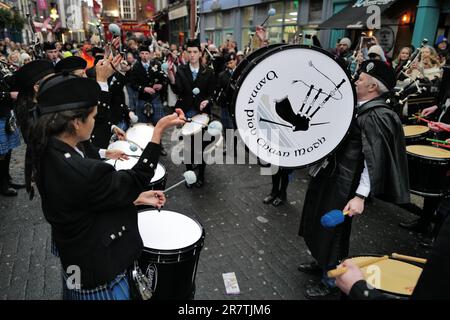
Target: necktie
[(194, 75), (146, 66)]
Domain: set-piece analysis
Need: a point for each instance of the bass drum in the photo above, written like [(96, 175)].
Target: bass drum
[(241, 67), (293, 105)]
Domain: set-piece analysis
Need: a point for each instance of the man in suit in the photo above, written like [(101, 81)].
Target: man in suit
[(51, 53), (194, 86)]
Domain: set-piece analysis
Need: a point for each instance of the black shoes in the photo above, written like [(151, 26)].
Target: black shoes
[(320, 291), (17, 185), (278, 201), (275, 200), (189, 186), (310, 268), (269, 199), (199, 183), (8, 192), (416, 225)]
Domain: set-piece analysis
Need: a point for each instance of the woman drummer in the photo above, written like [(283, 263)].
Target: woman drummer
[(90, 205)]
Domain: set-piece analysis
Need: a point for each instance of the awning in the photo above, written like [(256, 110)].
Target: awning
[(355, 15)]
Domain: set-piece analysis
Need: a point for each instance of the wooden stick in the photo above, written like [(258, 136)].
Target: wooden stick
[(361, 264), (441, 145), (432, 122), (409, 258)]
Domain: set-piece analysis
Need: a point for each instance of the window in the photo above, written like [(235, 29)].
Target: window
[(227, 19), (291, 12), (210, 21), (247, 16), (315, 10), (127, 9)]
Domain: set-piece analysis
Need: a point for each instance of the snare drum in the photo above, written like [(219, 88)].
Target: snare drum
[(396, 278), (429, 170), (416, 134), (141, 134), (172, 245), (199, 122), (130, 149), (159, 179)]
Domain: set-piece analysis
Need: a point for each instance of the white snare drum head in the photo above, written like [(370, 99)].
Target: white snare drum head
[(141, 134), (126, 147), (294, 106), (123, 164), (167, 230), (160, 172), (190, 128)]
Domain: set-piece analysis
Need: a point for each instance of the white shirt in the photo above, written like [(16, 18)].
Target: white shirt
[(193, 69), (364, 182), (103, 85)]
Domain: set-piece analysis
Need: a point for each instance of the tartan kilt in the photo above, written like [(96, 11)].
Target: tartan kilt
[(8, 141), (158, 110)]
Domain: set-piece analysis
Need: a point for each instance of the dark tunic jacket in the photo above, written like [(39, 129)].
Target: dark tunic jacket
[(90, 208), (184, 84), (375, 136)]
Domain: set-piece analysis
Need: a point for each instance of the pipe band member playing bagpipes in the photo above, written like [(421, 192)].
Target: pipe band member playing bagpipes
[(371, 160)]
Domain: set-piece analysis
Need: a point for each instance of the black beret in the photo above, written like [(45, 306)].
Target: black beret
[(32, 72), (229, 56), (49, 46), (64, 92), (193, 43), (381, 71), (70, 64)]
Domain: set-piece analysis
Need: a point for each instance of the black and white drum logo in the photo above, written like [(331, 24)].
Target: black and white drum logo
[(294, 107)]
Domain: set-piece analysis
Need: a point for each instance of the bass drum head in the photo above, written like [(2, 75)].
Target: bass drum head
[(168, 230), (247, 60), (293, 105)]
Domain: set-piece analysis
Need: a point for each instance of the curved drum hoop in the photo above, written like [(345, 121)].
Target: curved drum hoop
[(141, 134), (415, 134), (395, 278), (429, 170), (159, 179), (245, 62), (172, 245), (293, 117), (191, 128)]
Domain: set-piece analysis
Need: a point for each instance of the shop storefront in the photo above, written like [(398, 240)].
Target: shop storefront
[(234, 20), (178, 24)]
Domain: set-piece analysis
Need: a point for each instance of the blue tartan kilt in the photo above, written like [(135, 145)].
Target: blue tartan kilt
[(158, 110), (117, 289), (8, 141)]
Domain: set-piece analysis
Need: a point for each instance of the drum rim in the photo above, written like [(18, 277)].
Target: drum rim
[(248, 68), (252, 56), (426, 157), (163, 177), (197, 131), (177, 251), (416, 264)]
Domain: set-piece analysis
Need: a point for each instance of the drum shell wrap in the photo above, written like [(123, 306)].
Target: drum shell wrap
[(172, 271), (428, 176)]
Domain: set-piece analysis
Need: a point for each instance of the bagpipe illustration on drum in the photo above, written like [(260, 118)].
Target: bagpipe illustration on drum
[(293, 105)]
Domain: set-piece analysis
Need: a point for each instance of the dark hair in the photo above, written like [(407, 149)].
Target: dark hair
[(50, 125)]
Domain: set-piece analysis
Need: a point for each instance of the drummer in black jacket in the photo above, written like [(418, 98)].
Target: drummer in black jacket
[(90, 205), (194, 86), (223, 95), (434, 281)]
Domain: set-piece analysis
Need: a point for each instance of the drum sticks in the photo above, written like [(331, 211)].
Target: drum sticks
[(432, 122), (361, 264), (409, 258)]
